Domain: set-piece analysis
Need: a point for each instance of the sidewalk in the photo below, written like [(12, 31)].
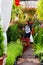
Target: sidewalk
[(28, 58)]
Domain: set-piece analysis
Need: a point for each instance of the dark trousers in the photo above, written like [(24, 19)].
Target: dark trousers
[(27, 35)]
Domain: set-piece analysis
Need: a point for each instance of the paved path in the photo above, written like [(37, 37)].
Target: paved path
[(28, 58)]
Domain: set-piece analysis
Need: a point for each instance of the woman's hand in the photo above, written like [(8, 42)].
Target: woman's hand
[(23, 28), (31, 32)]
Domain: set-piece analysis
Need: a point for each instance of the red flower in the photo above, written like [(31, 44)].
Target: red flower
[(42, 25), (17, 2)]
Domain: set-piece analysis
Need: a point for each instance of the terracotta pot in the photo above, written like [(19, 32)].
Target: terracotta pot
[(2, 58)]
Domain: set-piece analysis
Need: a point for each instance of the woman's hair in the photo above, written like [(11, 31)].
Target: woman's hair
[(28, 22)]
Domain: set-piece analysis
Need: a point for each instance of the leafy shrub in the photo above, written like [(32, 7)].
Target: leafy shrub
[(12, 33), (15, 31), (21, 32), (38, 50), (40, 10), (38, 44), (16, 10), (38, 37), (36, 25), (13, 51), (1, 42)]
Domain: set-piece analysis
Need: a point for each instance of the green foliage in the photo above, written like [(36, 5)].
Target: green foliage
[(38, 31), (22, 13), (38, 38), (14, 50), (40, 9), (16, 10), (13, 33), (21, 31), (31, 11), (38, 50), (38, 43), (1, 42), (41, 60), (36, 25)]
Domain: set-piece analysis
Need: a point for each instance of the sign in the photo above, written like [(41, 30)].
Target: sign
[(29, 4)]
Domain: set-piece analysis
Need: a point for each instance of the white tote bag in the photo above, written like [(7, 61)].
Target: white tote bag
[(31, 38)]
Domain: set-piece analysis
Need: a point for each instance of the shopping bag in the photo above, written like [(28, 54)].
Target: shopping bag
[(31, 38)]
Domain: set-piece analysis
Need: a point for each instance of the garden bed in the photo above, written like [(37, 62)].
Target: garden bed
[(14, 50)]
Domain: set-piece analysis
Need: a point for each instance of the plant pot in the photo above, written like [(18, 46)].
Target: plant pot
[(41, 62), (1, 59)]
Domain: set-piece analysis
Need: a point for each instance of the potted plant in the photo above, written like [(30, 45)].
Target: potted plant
[(2, 56)]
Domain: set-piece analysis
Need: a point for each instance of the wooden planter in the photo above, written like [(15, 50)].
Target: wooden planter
[(1, 59)]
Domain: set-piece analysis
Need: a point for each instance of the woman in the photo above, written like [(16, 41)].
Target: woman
[(27, 29)]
